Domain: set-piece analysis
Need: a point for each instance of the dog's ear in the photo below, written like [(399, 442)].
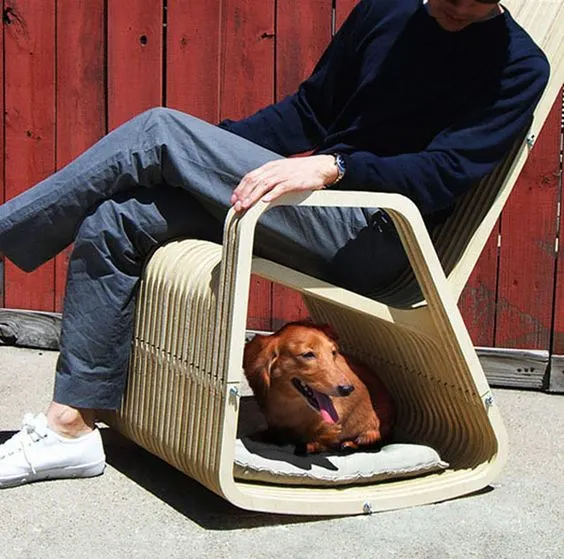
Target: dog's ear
[(259, 356)]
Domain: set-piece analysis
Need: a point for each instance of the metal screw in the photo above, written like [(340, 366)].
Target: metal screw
[(367, 508), (488, 401), (531, 140), (234, 392)]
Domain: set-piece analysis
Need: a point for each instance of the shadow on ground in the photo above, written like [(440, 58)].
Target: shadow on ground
[(184, 494), (181, 492)]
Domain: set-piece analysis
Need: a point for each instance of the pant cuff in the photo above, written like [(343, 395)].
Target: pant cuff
[(90, 391)]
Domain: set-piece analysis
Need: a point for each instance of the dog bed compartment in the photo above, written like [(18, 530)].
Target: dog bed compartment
[(259, 461), (267, 463)]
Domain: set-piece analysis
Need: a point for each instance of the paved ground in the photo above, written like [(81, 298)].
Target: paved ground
[(141, 507)]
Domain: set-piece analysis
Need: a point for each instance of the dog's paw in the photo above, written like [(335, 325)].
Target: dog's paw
[(368, 438), (348, 446), (313, 447)]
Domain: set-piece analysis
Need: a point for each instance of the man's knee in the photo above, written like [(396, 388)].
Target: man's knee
[(158, 120), (137, 220), (116, 225)]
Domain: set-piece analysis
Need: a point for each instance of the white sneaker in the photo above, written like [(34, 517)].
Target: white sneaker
[(37, 452)]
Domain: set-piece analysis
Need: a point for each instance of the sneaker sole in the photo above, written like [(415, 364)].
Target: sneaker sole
[(68, 472)]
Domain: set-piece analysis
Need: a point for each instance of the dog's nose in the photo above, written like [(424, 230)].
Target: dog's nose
[(345, 389)]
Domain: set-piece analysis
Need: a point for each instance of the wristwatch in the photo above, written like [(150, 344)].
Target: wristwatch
[(341, 168)]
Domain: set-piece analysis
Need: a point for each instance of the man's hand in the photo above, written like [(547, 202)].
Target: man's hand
[(278, 177)]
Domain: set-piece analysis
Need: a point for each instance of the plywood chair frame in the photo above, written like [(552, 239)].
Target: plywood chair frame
[(184, 390)]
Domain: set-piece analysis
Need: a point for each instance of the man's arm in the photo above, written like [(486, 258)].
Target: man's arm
[(460, 155), (433, 178)]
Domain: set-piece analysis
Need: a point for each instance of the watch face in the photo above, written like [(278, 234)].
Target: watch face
[(340, 162)]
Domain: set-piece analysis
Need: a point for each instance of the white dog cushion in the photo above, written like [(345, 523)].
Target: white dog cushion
[(268, 463), (259, 461)]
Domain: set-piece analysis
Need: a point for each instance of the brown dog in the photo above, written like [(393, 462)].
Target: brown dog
[(312, 394)]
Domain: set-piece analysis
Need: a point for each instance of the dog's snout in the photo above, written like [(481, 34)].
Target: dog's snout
[(345, 389)]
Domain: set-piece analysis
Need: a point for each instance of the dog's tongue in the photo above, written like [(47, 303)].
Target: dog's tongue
[(326, 408)]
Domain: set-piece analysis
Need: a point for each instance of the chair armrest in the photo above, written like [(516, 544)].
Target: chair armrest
[(239, 228), (236, 263)]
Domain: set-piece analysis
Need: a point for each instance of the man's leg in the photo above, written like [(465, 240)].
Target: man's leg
[(160, 146), (111, 246), (117, 235), (164, 146), (108, 255)]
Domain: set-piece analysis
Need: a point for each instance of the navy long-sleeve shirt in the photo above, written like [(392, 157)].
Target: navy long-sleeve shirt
[(414, 109)]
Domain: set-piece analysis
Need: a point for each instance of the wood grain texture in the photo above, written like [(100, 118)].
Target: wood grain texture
[(2, 156), (247, 57), (135, 58), (247, 84), (342, 10), (81, 92), (527, 253), (514, 368), (478, 299), (303, 31), (29, 89), (558, 324), (193, 57), (35, 329), (556, 379)]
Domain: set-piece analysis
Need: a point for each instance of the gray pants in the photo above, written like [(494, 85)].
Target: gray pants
[(187, 170)]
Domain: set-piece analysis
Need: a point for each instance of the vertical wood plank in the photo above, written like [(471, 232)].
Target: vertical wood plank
[(2, 153), (527, 254), (29, 41), (478, 299), (303, 32), (135, 58), (342, 10), (81, 103), (558, 326), (247, 61), (247, 84), (193, 57)]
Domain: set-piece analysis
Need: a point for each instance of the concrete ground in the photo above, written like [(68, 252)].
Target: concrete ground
[(141, 507)]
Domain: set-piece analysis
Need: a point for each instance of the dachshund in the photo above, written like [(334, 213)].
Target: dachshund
[(313, 395)]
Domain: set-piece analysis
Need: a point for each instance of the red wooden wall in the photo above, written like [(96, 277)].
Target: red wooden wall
[(73, 69)]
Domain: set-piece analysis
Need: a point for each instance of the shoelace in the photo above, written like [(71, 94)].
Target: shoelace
[(29, 434)]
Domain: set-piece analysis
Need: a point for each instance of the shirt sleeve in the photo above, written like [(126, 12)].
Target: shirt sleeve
[(460, 155), (299, 122)]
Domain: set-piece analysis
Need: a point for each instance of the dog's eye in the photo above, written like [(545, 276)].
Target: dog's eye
[(334, 352), (308, 355)]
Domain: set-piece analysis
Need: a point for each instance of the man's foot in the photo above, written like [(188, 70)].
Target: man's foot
[(37, 452)]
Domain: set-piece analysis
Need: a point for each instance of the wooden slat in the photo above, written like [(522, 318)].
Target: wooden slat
[(478, 299), (193, 51), (303, 32), (2, 155), (35, 329), (247, 68), (247, 84), (81, 103), (29, 42), (135, 54), (556, 379), (558, 326), (343, 9), (527, 254), (514, 368)]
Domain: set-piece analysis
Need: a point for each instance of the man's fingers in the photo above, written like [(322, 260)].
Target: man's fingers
[(250, 192), (277, 191), (255, 180)]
